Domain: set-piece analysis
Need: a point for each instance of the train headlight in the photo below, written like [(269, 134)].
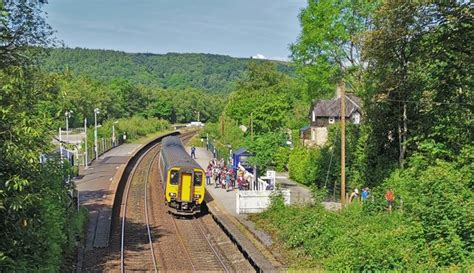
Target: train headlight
[(172, 194), (197, 196)]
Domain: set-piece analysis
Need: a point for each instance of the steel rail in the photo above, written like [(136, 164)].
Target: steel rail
[(122, 239), (182, 243), (184, 136), (201, 228), (146, 211)]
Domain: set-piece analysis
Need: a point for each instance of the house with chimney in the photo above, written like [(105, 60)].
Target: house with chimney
[(323, 113)]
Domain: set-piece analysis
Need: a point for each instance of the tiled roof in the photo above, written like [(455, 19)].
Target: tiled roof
[(332, 108)]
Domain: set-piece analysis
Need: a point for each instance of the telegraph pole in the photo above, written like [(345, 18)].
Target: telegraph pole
[(343, 142)]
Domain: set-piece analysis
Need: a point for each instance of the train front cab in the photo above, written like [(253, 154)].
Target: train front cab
[(185, 190)]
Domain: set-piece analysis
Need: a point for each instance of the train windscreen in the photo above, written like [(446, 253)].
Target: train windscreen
[(174, 177), (197, 179)]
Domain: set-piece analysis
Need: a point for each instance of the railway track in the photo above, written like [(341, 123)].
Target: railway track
[(151, 240)]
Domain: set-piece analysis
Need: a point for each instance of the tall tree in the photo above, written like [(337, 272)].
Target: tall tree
[(329, 46), (23, 31), (264, 94), (418, 71)]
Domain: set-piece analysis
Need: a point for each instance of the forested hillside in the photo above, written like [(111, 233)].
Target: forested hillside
[(210, 72)]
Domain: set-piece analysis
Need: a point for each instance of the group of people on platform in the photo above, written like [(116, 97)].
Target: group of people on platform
[(221, 175)]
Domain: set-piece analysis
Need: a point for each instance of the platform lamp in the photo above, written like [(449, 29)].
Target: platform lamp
[(96, 111), (67, 114)]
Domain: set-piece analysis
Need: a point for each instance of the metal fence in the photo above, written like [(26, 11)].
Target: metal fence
[(219, 152)]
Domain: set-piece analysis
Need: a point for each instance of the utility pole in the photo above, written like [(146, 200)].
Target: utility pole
[(198, 115), (251, 126), (343, 142), (86, 158)]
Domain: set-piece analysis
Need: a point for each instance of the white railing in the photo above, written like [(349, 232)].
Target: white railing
[(260, 184)]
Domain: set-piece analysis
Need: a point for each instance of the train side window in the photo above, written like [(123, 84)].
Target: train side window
[(174, 177), (197, 179)]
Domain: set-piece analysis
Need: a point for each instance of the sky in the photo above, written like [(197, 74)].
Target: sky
[(239, 28)]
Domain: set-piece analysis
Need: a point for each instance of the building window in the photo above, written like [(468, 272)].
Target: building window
[(356, 118), (331, 120)]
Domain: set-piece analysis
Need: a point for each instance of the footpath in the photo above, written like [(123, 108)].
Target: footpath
[(223, 204)]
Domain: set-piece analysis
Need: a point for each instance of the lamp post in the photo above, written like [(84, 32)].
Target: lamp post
[(96, 111), (86, 156), (113, 133), (67, 114)]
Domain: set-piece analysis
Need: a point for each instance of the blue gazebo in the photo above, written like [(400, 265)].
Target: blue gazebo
[(241, 156)]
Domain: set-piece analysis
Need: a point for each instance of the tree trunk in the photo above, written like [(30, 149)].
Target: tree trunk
[(403, 135)]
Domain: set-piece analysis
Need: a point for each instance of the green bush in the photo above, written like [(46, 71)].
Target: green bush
[(432, 231), (437, 194), (303, 165), (281, 158), (134, 127), (347, 241)]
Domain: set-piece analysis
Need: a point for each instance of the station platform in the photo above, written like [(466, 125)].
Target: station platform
[(95, 186)]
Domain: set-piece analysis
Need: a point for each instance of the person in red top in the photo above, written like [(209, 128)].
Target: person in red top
[(390, 197)]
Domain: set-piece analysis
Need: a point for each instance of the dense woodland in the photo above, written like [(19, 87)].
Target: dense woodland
[(209, 72), (410, 62)]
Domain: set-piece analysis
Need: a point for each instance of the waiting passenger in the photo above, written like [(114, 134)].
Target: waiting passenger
[(228, 181), (208, 174)]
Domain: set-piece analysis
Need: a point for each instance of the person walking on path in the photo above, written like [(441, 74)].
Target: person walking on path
[(354, 195), (365, 194), (193, 152), (390, 197)]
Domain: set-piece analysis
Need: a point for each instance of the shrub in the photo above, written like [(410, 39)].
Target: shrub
[(347, 241), (436, 194), (281, 158), (134, 127), (303, 165)]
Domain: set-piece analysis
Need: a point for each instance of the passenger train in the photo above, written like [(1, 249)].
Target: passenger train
[(182, 178)]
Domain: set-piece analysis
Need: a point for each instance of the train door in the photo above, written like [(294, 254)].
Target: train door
[(185, 187)]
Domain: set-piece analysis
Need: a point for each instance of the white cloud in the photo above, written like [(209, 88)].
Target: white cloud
[(259, 56), (283, 59)]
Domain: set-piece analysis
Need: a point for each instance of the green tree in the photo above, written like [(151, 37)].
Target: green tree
[(329, 45), (23, 31), (264, 96), (419, 80)]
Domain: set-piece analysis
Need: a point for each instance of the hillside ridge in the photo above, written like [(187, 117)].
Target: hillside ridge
[(211, 72)]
